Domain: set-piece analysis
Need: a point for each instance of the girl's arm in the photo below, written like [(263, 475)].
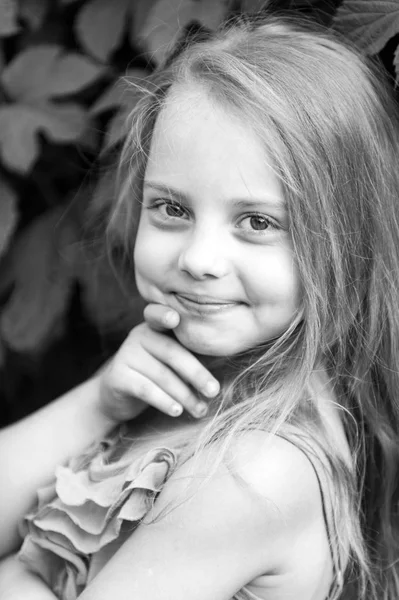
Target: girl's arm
[(31, 449), (227, 533), (150, 368), (17, 583)]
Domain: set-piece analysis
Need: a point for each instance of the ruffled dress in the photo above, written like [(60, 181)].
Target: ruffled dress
[(95, 503)]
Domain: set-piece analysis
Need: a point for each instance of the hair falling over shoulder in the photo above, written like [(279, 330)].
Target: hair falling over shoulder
[(332, 128)]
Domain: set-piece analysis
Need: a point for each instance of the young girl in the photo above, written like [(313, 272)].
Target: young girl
[(260, 201)]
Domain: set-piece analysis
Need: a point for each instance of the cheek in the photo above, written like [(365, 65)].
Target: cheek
[(278, 285), (152, 260), (288, 282), (148, 272), (141, 257), (290, 289), (146, 251)]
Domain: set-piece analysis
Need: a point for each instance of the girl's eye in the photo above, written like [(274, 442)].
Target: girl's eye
[(258, 223), (169, 209), (174, 210)]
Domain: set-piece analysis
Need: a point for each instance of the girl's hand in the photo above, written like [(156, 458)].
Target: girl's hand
[(17, 583), (151, 368)]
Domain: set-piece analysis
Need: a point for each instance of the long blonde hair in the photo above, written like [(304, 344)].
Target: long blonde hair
[(333, 129)]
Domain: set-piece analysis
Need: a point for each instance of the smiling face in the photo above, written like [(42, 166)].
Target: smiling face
[(213, 239)]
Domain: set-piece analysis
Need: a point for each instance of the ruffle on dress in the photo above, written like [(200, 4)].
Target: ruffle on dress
[(93, 506)]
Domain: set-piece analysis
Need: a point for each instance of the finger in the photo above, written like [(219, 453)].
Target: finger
[(134, 384), (168, 351), (160, 317), (172, 385)]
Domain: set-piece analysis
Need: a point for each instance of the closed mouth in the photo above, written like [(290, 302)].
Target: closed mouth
[(206, 300), (204, 304)]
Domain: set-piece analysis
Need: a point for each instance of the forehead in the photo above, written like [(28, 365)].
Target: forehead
[(199, 142), (185, 99), (189, 109)]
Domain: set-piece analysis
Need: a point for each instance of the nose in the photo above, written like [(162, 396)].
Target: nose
[(204, 255)]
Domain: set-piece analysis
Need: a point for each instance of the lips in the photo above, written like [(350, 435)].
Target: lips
[(201, 305), (207, 300)]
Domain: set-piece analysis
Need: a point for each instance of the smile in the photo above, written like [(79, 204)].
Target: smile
[(204, 304)]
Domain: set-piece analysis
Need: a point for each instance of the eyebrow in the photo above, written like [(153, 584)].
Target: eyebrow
[(237, 202)]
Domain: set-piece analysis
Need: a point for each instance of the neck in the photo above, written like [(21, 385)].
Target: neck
[(226, 368)]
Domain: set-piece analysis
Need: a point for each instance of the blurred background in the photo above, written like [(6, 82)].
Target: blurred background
[(65, 69)]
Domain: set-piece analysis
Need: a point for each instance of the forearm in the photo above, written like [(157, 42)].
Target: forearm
[(32, 448), (17, 583)]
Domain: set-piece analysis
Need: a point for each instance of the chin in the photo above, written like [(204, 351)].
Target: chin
[(207, 345)]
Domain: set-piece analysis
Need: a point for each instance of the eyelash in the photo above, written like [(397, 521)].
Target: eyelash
[(158, 204)]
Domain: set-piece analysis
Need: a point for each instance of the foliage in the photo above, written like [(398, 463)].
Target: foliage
[(62, 104)]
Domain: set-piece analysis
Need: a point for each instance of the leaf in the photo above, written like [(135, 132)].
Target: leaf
[(103, 195), (111, 98), (20, 124), (90, 138), (8, 214), (139, 15), (117, 129), (396, 64), (368, 23), (44, 72), (2, 354), (42, 283), (120, 93), (8, 17), (211, 14), (252, 6), (100, 25), (107, 304), (2, 58), (33, 12), (168, 18)]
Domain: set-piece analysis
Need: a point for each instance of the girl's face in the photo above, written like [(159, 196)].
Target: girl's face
[(213, 240)]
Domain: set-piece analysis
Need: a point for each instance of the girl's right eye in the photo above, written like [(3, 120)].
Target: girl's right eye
[(168, 209)]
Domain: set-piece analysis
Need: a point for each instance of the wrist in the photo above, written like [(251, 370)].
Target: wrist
[(115, 406), (100, 418)]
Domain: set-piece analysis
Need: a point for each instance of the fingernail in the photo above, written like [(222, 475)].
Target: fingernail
[(201, 410), (211, 388), (171, 319), (176, 410)]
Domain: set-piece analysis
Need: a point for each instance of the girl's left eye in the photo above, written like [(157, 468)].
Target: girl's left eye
[(256, 223)]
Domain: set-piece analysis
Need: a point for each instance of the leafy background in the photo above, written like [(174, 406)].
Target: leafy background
[(63, 104)]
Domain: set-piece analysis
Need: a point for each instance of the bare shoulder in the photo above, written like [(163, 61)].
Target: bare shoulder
[(260, 467), (278, 470), (259, 511), (265, 497)]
